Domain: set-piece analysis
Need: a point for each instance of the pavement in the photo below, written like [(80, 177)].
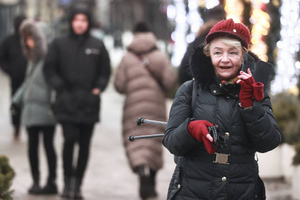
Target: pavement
[(108, 176)]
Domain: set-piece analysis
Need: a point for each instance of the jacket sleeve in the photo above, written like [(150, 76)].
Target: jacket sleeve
[(261, 125), (104, 69), (3, 56), (51, 68), (176, 137)]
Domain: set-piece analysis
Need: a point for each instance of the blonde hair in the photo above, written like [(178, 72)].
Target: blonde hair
[(229, 41)]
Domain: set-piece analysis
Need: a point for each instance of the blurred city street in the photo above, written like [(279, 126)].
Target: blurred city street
[(108, 176)]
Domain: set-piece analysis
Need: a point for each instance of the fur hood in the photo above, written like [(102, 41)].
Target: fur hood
[(202, 68), (31, 28)]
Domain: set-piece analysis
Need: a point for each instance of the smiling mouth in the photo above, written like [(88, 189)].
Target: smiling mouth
[(225, 67)]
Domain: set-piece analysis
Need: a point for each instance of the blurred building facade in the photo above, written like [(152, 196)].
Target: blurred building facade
[(8, 10), (125, 13), (114, 15)]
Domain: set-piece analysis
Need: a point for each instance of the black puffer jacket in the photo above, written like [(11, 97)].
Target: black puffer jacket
[(13, 61), (244, 131), (74, 66)]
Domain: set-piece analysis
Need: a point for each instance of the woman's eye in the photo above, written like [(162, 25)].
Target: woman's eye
[(217, 53), (233, 53)]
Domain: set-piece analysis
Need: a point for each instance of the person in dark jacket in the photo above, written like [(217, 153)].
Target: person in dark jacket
[(210, 18), (220, 120), (78, 68), (34, 95), (13, 62)]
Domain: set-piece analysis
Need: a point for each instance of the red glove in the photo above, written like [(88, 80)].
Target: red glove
[(198, 130), (250, 89), (258, 91), (246, 92)]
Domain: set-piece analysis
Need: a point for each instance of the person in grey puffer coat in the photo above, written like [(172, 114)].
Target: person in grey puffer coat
[(222, 98), (34, 98), (144, 75)]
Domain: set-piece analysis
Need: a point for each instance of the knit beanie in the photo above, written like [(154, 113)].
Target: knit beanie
[(227, 28), (141, 27)]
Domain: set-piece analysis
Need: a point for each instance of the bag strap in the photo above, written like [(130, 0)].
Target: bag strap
[(194, 94)]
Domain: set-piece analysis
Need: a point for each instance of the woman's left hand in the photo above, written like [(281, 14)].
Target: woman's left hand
[(249, 89)]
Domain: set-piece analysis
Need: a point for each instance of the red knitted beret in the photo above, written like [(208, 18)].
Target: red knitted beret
[(230, 29)]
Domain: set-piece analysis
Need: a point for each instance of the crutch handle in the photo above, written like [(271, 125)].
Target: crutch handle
[(142, 120), (132, 137)]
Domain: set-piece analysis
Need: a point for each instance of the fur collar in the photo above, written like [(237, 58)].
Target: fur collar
[(201, 66), (32, 28)]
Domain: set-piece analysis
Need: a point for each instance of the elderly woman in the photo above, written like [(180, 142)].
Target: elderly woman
[(230, 102)]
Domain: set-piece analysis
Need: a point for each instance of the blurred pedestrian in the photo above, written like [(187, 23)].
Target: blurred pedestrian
[(225, 98), (144, 76), (211, 17), (33, 96), (13, 63), (78, 68), (97, 31)]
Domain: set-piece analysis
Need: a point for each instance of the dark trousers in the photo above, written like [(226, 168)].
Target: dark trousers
[(33, 144), (75, 133), (16, 116)]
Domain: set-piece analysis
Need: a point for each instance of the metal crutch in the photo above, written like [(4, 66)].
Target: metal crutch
[(141, 121)]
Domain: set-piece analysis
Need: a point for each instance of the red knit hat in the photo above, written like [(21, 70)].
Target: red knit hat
[(230, 29)]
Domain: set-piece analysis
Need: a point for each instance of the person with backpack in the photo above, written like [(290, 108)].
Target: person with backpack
[(144, 76), (216, 134)]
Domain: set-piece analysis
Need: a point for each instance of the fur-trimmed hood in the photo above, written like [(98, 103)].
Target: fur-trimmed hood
[(31, 28), (202, 68)]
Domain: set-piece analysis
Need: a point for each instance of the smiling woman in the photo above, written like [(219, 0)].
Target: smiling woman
[(236, 105)]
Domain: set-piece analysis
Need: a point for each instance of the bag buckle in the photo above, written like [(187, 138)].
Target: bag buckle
[(221, 158)]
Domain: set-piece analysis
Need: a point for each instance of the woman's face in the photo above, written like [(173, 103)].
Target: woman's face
[(226, 59), (29, 42)]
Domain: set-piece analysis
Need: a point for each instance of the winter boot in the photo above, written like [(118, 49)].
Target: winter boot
[(50, 188), (67, 188), (35, 188), (147, 182), (77, 192)]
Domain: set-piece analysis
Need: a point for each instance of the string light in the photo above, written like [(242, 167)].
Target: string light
[(234, 10), (179, 34), (288, 47), (176, 13), (260, 28)]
